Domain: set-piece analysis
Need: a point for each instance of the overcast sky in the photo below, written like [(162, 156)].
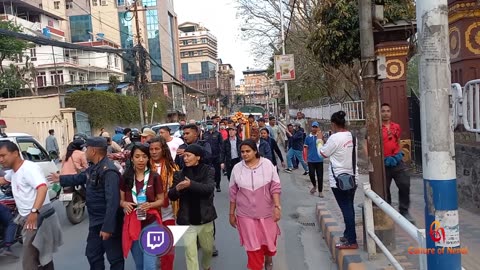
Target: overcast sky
[(219, 16)]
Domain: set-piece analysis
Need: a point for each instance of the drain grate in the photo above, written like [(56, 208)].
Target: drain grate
[(309, 224)]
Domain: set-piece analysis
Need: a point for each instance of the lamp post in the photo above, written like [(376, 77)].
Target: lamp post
[(285, 85)]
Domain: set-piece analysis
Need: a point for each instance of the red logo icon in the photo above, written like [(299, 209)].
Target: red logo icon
[(437, 232)]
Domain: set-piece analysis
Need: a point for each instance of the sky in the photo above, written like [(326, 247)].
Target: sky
[(219, 16)]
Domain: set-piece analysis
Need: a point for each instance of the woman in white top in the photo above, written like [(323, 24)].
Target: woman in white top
[(339, 149)]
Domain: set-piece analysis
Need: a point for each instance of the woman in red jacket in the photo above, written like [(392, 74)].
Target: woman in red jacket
[(138, 182)]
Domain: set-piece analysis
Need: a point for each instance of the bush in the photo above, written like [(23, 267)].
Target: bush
[(106, 108)]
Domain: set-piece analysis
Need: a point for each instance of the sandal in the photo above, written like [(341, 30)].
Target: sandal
[(269, 266), (312, 191)]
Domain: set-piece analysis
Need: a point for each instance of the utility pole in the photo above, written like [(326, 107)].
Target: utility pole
[(140, 82), (438, 146), (384, 226), (285, 84)]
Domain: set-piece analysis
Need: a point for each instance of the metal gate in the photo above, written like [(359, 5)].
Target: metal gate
[(82, 123), (415, 130)]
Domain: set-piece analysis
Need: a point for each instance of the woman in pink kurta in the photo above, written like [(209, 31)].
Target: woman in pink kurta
[(255, 206)]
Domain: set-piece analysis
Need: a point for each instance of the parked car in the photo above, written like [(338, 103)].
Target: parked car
[(174, 129)]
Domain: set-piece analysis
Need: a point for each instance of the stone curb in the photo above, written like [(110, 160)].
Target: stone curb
[(331, 231)]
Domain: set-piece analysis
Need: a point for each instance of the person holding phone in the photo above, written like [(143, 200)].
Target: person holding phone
[(194, 186)]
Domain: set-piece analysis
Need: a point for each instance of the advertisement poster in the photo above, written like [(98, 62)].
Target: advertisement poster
[(284, 67)]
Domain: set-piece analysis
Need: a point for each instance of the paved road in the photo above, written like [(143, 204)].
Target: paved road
[(300, 245)]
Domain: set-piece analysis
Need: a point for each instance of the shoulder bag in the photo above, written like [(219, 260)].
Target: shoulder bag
[(346, 181)]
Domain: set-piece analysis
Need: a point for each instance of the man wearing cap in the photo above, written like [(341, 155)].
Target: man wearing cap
[(147, 134), (314, 160), (102, 181)]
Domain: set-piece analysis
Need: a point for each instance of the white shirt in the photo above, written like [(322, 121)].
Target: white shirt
[(25, 182), (167, 212), (339, 149), (173, 145)]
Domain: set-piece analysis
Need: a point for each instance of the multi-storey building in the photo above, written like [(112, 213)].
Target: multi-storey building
[(55, 65), (198, 56), (226, 84), (259, 88)]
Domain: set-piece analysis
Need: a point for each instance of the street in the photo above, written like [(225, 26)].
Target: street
[(299, 247)]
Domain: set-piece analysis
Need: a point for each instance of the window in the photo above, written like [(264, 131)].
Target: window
[(194, 41), (204, 40), (200, 53), (149, 3), (153, 35), (103, 2), (185, 42), (109, 61), (120, 3), (115, 59), (95, 2), (80, 26), (18, 58), (56, 77), (33, 54), (191, 54), (69, 4), (41, 79), (56, 5), (31, 150), (72, 77), (81, 77)]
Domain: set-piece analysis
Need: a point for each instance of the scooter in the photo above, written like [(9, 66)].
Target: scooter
[(74, 199), (6, 199)]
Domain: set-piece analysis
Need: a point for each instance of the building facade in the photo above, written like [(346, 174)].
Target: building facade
[(54, 66), (198, 57), (259, 89)]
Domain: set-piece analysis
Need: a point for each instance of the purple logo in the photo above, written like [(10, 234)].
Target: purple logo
[(156, 240)]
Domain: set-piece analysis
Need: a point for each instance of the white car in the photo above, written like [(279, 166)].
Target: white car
[(30, 149), (174, 129)]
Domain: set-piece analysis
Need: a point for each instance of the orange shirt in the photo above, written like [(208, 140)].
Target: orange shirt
[(391, 138)]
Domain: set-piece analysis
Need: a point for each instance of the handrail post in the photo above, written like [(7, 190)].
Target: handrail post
[(423, 245), (369, 223)]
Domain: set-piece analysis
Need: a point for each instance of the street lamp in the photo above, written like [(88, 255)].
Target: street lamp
[(287, 107)]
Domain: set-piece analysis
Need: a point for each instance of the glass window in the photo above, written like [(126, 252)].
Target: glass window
[(194, 41), (185, 42), (56, 77), (41, 79), (120, 3), (56, 5), (80, 27), (149, 3), (72, 77), (69, 4), (31, 150), (204, 40), (95, 2), (154, 43)]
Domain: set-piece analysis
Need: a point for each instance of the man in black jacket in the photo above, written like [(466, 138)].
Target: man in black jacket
[(191, 136), (194, 186), (214, 138), (231, 151), (263, 146)]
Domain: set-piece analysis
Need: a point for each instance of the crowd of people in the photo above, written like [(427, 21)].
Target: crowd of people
[(137, 179)]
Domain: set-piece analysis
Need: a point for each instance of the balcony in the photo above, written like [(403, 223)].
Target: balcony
[(29, 27)]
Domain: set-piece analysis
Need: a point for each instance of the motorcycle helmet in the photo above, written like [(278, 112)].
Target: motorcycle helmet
[(80, 136), (7, 190), (135, 136), (118, 130)]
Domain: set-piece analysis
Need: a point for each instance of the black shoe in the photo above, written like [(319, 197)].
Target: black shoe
[(408, 217), (218, 189), (305, 173), (215, 251), (343, 239)]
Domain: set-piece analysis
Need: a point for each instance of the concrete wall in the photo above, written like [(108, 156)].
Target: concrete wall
[(36, 115), (468, 175)]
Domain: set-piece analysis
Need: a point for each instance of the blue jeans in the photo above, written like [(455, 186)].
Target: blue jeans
[(299, 155), (143, 261), (345, 202), (10, 228)]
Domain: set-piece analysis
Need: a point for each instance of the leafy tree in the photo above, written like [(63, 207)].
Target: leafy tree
[(10, 46), (113, 83)]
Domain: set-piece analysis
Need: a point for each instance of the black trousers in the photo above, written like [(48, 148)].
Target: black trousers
[(402, 180), (218, 173), (316, 168), (230, 166), (96, 247)]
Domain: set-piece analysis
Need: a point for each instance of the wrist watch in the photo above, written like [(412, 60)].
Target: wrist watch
[(35, 210), (278, 207)]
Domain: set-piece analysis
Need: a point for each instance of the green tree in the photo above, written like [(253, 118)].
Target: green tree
[(113, 83), (10, 47)]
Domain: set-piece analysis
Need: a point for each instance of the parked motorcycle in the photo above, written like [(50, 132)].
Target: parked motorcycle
[(6, 199)]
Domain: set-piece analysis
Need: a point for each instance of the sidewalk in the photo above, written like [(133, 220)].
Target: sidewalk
[(469, 224)]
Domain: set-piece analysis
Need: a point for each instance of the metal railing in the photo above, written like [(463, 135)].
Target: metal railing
[(354, 111), (417, 234), (471, 106)]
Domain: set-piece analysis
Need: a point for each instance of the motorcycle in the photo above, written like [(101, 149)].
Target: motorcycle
[(74, 199), (6, 199)]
